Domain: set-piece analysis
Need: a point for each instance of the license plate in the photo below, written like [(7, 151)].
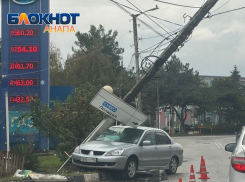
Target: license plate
[(88, 159)]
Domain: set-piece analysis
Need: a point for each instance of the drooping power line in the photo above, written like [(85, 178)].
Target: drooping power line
[(177, 4)]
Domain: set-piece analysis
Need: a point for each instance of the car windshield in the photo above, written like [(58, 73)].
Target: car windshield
[(121, 134)]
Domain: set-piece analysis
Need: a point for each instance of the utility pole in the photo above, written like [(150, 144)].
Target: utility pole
[(136, 53), (158, 123), (176, 42)]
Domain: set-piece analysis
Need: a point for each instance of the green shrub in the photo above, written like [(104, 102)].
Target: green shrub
[(27, 150), (226, 129)]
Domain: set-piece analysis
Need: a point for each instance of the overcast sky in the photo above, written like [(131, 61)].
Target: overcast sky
[(217, 44)]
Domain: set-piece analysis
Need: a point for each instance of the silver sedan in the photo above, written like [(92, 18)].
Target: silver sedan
[(237, 165), (129, 150)]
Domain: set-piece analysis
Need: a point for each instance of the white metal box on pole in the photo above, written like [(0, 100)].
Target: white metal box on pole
[(117, 109)]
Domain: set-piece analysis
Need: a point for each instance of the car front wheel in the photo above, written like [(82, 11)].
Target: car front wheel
[(130, 169), (173, 165)]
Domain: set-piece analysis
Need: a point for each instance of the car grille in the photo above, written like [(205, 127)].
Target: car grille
[(85, 152), (97, 153), (95, 164)]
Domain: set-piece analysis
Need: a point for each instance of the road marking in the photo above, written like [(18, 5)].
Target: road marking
[(220, 145), (216, 144)]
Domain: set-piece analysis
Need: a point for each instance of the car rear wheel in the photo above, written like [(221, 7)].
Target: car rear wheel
[(173, 165), (130, 169)]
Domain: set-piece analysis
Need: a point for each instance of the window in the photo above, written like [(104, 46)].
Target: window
[(162, 139), (121, 134), (150, 137)]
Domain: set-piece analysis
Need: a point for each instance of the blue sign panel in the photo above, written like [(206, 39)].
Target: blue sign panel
[(25, 61), (20, 127)]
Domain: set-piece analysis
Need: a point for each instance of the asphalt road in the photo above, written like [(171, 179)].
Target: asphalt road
[(210, 147)]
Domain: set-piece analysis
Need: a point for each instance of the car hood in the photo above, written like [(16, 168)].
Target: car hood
[(104, 145)]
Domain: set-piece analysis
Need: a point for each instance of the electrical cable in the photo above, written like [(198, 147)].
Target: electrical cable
[(131, 61), (150, 18), (117, 4), (165, 20), (139, 19), (220, 6), (227, 11), (155, 23), (148, 49), (156, 17), (173, 32), (177, 4), (125, 6), (151, 46), (123, 35)]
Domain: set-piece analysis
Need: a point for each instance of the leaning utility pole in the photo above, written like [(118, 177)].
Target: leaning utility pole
[(173, 46), (136, 50), (176, 42)]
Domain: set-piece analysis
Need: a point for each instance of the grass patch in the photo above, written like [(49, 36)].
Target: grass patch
[(49, 164), (7, 179)]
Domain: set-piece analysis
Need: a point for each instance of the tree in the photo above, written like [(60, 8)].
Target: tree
[(179, 88), (149, 99), (230, 99), (96, 59), (205, 103), (56, 69), (66, 123), (109, 45), (235, 74), (92, 66)]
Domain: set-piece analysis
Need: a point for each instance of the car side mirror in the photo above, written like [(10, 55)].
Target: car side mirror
[(230, 147), (146, 143)]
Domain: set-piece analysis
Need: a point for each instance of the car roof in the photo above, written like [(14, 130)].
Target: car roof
[(139, 127)]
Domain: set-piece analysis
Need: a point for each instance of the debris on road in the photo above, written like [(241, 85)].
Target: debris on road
[(34, 176)]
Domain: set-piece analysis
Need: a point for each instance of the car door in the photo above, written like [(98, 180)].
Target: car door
[(164, 149), (149, 157)]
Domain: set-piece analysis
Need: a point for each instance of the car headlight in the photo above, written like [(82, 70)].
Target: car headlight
[(76, 150), (115, 152)]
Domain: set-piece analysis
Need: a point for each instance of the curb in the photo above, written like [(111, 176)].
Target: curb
[(93, 177)]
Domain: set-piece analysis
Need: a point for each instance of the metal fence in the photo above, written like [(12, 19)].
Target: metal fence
[(10, 164)]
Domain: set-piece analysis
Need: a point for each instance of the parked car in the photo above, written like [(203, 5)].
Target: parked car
[(127, 149), (237, 165), (238, 134)]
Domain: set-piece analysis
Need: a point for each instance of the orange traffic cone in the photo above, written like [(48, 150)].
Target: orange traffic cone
[(192, 175), (200, 165), (203, 171), (180, 179)]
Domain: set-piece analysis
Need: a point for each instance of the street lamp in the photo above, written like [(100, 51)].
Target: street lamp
[(139, 104)]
